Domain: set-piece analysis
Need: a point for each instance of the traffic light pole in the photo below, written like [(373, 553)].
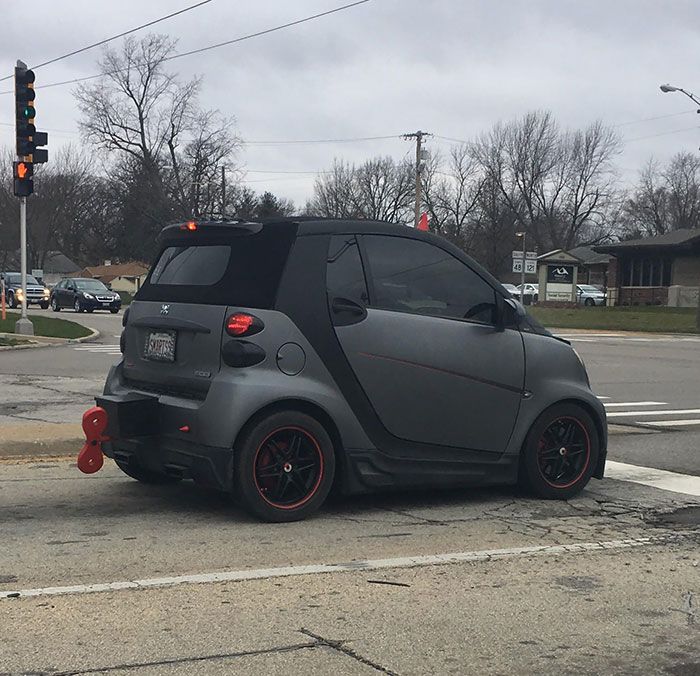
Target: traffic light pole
[(23, 326)]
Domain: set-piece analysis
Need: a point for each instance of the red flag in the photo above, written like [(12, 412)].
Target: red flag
[(423, 222)]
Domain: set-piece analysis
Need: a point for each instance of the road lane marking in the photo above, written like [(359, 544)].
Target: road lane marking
[(637, 403), (656, 478), (348, 567), (679, 411), (670, 423)]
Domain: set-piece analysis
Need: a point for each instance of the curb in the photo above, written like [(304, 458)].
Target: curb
[(21, 450), (46, 341)]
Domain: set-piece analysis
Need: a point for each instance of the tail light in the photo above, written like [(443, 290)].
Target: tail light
[(190, 225), (242, 324)]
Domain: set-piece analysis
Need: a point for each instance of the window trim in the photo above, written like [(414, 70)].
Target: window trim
[(369, 277), (363, 266)]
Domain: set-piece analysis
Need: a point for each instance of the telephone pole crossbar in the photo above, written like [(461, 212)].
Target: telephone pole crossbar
[(418, 135)]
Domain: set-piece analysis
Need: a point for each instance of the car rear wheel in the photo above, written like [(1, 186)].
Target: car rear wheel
[(145, 476), (54, 305), (77, 306), (560, 453), (283, 467)]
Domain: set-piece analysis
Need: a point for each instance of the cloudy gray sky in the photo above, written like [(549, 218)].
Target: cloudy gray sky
[(451, 67)]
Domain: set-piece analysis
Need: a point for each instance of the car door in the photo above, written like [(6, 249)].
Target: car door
[(68, 294), (425, 348)]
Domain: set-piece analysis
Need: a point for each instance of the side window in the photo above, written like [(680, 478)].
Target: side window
[(417, 277), (345, 277)]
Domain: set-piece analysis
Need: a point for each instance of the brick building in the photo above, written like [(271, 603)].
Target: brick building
[(661, 270)]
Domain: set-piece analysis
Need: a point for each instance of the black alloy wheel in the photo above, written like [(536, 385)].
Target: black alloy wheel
[(78, 306), (560, 452), (54, 305), (288, 467), (284, 466), (563, 452)]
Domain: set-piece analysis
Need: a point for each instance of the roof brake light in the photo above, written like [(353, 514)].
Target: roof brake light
[(190, 225)]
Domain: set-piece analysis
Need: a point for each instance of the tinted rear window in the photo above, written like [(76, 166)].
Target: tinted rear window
[(195, 265), (225, 269)]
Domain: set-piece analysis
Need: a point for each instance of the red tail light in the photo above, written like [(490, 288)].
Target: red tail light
[(242, 324), (190, 225)]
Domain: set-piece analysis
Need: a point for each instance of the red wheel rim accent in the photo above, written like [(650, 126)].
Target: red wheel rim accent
[(563, 452), (288, 468)]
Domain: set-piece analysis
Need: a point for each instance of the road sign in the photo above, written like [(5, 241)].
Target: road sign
[(528, 254), (530, 266)]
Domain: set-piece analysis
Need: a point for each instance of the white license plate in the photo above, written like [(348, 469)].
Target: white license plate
[(160, 345), (105, 304)]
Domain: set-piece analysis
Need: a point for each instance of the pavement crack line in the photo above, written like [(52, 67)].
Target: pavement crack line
[(349, 652), (131, 666)]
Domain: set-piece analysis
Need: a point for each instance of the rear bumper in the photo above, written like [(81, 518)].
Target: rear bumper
[(137, 438), (206, 465)]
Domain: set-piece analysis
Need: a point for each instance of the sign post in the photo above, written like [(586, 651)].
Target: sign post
[(524, 262)]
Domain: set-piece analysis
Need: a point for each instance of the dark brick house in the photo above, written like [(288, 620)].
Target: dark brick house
[(661, 270), (594, 266)]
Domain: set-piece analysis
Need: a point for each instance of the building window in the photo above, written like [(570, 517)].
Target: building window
[(646, 272)]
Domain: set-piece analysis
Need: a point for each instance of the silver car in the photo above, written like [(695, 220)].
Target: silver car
[(590, 295), (280, 360)]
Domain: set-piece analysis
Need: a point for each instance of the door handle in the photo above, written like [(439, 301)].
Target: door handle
[(347, 312)]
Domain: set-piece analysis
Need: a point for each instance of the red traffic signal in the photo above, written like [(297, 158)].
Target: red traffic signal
[(23, 183)]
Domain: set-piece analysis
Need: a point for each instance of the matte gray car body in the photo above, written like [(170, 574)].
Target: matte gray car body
[(450, 402)]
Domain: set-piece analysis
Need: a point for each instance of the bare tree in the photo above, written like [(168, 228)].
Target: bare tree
[(665, 198), (451, 195), (379, 189), (173, 150), (559, 185)]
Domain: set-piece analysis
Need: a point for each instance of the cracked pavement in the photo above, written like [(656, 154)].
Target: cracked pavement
[(591, 612)]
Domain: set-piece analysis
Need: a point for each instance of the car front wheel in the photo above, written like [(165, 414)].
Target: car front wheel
[(77, 306), (589, 302), (54, 305), (284, 466), (11, 301), (560, 453)]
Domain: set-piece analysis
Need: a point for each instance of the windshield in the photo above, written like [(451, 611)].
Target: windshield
[(90, 285), (16, 278)]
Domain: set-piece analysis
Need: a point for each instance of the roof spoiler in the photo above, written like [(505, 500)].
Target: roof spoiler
[(211, 227)]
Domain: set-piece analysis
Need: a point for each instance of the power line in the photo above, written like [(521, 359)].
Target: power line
[(215, 46), (322, 140), (651, 119), (663, 133), (114, 37)]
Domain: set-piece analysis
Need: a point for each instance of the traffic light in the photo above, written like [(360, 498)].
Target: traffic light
[(23, 183), (28, 138)]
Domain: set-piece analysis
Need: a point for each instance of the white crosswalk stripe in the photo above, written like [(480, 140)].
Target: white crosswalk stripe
[(99, 349), (618, 337), (650, 413)]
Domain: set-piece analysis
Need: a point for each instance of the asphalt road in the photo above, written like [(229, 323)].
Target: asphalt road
[(101, 574), (606, 583)]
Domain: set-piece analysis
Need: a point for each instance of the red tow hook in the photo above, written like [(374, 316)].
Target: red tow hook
[(90, 458)]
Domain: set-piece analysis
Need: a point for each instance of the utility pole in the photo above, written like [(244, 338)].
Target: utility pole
[(418, 135)]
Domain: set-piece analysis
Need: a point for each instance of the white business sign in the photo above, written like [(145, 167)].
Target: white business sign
[(530, 266), (528, 254)]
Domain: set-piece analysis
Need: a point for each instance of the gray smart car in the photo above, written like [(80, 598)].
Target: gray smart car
[(281, 360)]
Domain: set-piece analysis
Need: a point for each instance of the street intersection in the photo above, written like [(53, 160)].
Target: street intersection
[(108, 575)]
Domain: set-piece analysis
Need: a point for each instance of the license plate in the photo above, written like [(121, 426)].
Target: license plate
[(160, 346), (105, 304)]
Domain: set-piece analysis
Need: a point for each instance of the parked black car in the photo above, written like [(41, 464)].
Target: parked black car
[(84, 295), (37, 293)]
